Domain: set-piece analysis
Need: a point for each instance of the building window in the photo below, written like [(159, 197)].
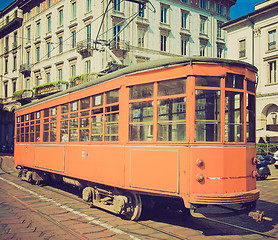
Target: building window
[(242, 48), (163, 14), (272, 66), (219, 29), (88, 66), (39, 8), (73, 42), (219, 51), (14, 85), (203, 25), (38, 54), (163, 43), (38, 29), (14, 62), (28, 34), (219, 9), (183, 46), (60, 74), (6, 65), (73, 6), (49, 3), (184, 1), (15, 39), (117, 5), (60, 44), (89, 32), (5, 89), (61, 17), (116, 31), (203, 47), (88, 5), (141, 37), (28, 83), (272, 40), (28, 15), (49, 24), (48, 77), (48, 49), (73, 70), (28, 58), (141, 10), (203, 4), (184, 19)]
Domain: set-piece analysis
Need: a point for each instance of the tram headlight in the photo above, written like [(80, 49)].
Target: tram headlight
[(199, 162), (200, 177)]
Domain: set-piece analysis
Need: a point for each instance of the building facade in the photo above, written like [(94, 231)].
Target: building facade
[(253, 38), (61, 43)]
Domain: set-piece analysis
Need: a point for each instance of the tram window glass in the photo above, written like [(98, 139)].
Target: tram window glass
[(53, 111), (74, 106), (250, 117), (141, 121), (84, 124), (18, 119), (27, 134), (46, 132), (64, 132), (251, 87), (172, 87), (32, 116), (207, 115), (234, 81), (22, 134), (97, 100), (207, 81), (27, 117), (234, 116), (97, 128), (171, 119), (18, 134), (65, 108), (32, 133), (112, 97), (46, 113), (141, 91), (37, 132), (38, 115), (73, 130), (85, 103), (22, 118), (53, 130)]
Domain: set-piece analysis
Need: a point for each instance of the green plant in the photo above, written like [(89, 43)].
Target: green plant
[(18, 93), (270, 146)]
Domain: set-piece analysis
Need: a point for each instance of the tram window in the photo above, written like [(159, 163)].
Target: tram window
[(84, 113), (171, 119), (53, 128), (22, 118), (74, 106), (37, 137), (207, 81), (38, 115), (46, 113), (73, 130), (233, 117), (18, 134), (111, 127), (32, 116), (251, 87), (97, 128), (85, 103), (141, 91), (250, 117), (32, 134), (27, 117), (53, 111), (112, 97), (141, 121), (97, 100), (172, 87), (207, 115), (22, 134), (234, 81), (46, 132), (84, 129), (26, 134), (18, 119), (64, 131), (65, 108)]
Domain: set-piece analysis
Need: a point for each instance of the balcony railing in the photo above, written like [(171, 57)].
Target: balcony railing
[(272, 45), (120, 45), (25, 69), (85, 48), (11, 20)]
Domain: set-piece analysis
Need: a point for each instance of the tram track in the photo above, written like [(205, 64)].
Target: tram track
[(172, 235)]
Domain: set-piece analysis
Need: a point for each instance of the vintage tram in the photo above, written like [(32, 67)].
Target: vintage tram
[(180, 128)]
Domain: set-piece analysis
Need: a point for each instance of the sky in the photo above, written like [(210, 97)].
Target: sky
[(242, 7)]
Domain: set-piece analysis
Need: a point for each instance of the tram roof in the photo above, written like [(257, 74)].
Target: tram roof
[(141, 67)]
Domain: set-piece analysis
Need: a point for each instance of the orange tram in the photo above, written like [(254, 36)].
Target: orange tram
[(180, 129)]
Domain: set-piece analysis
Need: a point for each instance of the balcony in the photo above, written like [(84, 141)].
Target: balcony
[(120, 45), (11, 22), (23, 96), (47, 89), (85, 48), (25, 69)]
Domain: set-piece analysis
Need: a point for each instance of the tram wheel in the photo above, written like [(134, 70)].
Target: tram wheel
[(134, 208)]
